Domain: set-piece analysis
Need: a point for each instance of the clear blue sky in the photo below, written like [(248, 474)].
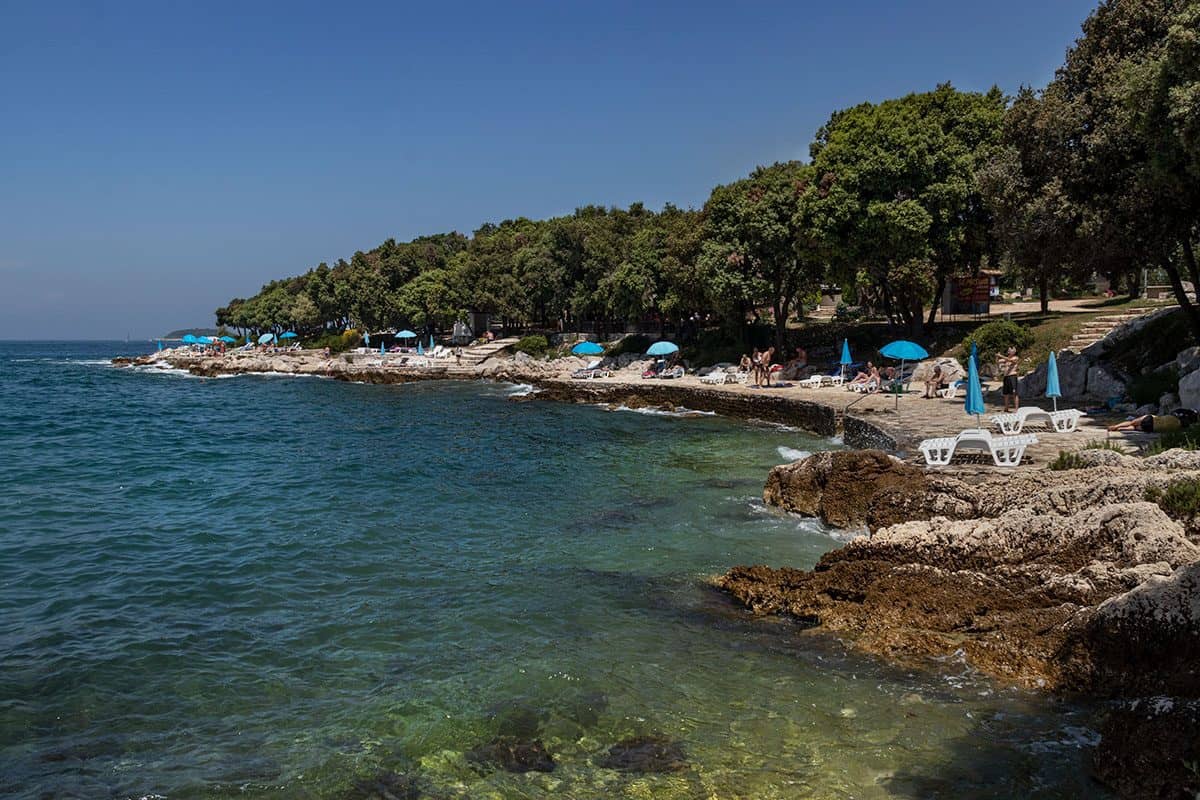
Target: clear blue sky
[(158, 158)]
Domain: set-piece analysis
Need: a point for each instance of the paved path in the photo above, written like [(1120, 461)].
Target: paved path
[(914, 418)]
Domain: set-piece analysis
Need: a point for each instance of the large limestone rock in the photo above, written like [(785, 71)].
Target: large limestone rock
[(1189, 390), (1146, 749), (1072, 374), (1102, 383), (1016, 594), (1033, 384), (951, 370), (841, 486), (1187, 360)]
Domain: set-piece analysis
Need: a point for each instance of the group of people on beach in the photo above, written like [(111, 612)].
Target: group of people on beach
[(760, 366)]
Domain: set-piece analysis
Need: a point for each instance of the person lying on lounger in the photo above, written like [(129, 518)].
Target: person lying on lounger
[(1155, 423), (871, 373)]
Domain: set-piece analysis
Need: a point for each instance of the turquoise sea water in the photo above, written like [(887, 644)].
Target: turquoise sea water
[(291, 587)]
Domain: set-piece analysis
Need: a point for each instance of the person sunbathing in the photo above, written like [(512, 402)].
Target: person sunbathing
[(866, 376), (1158, 423)]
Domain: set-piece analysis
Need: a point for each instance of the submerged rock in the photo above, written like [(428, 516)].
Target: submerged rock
[(386, 785), (1150, 749), (646, 754), (513, 754)]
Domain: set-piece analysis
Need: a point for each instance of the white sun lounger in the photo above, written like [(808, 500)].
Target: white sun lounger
[(1064, 421), (817, 381), (951, 391), (1006, 451), (867, 387), (718, 377)]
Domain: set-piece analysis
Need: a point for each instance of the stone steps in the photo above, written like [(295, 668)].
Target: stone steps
[(1095, 329), (476, 355)]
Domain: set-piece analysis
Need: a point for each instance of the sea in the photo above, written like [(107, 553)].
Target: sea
[(291, 587)]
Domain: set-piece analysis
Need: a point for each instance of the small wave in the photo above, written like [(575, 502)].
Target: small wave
[(679, 412), (274, 374), (521, 390), (791, 453), (837, 441)]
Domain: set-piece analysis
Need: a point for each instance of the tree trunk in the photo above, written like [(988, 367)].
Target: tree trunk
[(1135, 283), (1189, 258), (780, 309), (937, 299), (1189, 308), (1044, 291)]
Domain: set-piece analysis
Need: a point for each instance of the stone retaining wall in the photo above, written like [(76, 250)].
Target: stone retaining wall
[(815, 418)]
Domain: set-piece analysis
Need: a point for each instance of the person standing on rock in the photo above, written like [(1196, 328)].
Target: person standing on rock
[(1008, 368)]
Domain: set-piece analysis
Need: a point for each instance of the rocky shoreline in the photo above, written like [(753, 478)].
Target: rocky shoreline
[(552, 381), (1068, 582)]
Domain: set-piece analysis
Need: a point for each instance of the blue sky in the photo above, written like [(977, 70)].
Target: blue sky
[(158, 158)]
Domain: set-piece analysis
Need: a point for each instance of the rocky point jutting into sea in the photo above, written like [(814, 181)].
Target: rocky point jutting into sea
[(1063, 581), (1070, 582)]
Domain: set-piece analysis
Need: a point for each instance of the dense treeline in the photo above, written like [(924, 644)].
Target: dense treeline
[(1097, 172)]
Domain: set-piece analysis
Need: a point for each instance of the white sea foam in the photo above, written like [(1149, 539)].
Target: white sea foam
[(791, 453), (678, 413), (521, 390)]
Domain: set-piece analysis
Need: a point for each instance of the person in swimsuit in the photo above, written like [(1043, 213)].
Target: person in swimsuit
[(1008, 368), (1158, 423)]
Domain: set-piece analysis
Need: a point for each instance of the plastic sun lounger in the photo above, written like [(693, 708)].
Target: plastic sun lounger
[(718, 377), (673, 372), (1065, 421), (867, 387), (951, 391), (1006, 451)]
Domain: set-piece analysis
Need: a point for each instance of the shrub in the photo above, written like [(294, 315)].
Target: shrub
[(336, 342), (1066, 460), (1072, 460), (534, 345), (993, 338), (1179, 501), (1149, 388)]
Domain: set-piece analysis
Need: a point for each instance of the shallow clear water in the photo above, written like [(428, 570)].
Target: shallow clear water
[(291, 587)]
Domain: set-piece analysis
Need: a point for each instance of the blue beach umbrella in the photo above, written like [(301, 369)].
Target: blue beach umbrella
[(288, 335), (203, 340), (406, 334), (587, 349), (228, 339), (846, 359), (160, 345), (974, 351), (903, 350), (366, 338), (266, 337), (188, 338), (249, 339), (663, 348), (381, 350), (974, 401), (431, 341), (420, 350), (1052, 389)]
